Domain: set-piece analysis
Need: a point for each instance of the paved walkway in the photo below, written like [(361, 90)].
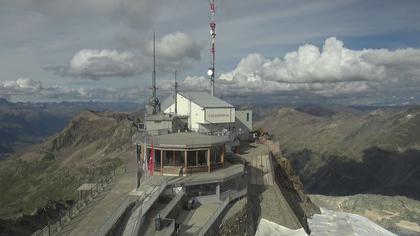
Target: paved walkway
[(261, 170), (266, 198), (192, 221), (148, 193), (102, 207)]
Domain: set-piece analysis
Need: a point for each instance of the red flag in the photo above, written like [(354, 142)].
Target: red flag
[(152, 160)]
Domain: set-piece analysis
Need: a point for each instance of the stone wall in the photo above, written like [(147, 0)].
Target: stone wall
[(292, 189)]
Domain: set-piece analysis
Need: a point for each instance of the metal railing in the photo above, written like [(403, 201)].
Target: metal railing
[(136, 216), (168, 208), (55, 226), (234, 194), (141, 210), (114, 217), (238, 194)]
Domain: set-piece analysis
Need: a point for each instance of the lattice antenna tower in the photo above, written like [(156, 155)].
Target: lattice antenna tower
[(212, 24)]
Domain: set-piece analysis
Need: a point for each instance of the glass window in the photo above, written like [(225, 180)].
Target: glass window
[(247, 116)]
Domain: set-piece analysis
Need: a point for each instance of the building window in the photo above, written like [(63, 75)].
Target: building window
[(247, 116)]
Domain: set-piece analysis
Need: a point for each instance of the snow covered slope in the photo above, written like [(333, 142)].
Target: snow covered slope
[(269, 228), (340, 223)]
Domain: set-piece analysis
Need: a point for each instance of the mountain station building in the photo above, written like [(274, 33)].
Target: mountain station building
[(192, 134)]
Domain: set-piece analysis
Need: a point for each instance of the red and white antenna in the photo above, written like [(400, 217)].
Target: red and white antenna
[(211, 70)]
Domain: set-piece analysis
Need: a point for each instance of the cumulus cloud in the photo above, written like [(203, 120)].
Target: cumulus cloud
[(34, 88), (332, 69), (173, 51), (96, 64), (21, 85), (176, 46), (25, 86)]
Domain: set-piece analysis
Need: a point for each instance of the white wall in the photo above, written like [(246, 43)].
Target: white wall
[(241, 115), (197, 115), (220, 115), (188, 108)]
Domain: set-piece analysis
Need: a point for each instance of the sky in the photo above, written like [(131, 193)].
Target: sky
[(356, 50)]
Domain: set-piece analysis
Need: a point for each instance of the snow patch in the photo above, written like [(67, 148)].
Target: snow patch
[(341, 223), (269, 228)]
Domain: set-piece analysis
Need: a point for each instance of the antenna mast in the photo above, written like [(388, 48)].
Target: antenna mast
[(211, 70), (154, 67), (154, 101), (176, 95)]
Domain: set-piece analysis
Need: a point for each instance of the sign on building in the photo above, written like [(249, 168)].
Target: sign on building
[(220, 115)]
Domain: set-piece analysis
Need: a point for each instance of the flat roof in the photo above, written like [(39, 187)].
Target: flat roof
[(159, 117), (229, 171), (182, 140), (203, 99)]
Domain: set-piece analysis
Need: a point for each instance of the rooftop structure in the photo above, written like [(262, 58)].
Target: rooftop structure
[(202, 99), (188, 140), (207, 114)]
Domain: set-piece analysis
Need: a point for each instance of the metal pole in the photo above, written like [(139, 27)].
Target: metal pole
[(176, 95), (146, 165), (154, 68)]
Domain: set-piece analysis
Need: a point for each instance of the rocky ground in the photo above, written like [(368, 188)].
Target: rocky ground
[(285, 203), (398, 214), (345, 151), (91, 146)]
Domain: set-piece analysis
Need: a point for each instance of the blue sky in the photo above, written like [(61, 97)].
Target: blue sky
[(40, 39)]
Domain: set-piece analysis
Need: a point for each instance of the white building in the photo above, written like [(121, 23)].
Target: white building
[(206, 113), (243, 123)]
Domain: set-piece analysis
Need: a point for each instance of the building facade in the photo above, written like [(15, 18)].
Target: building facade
[(206, 113)]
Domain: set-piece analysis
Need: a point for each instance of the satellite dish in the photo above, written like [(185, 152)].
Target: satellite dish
[(210, 72)]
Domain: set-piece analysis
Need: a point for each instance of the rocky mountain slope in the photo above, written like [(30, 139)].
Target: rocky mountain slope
[(344, 151), (90, 146), (23, 124)]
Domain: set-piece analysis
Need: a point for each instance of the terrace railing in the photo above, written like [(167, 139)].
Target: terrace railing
[(56, 225)]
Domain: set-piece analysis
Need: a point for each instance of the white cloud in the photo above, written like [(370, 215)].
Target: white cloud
[(21, 85), (173, 51), (96, 64), (34, 88), (176, 46), (334, 69), (330, 70)]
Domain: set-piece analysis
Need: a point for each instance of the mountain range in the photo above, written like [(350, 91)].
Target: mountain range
[(23, 124), (347, 150)]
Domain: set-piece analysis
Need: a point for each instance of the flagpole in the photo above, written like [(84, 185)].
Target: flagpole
[(146, 167)]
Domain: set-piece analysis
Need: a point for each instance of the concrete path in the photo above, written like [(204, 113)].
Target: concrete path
[(266, 198), (148, 193), (97, 212), (192, 221), (261, 170), (148, 226)]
